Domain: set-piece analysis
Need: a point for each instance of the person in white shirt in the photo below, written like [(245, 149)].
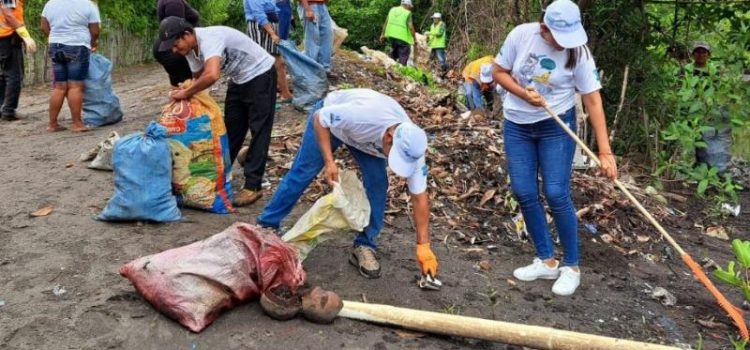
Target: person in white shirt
[(547, 63), (72, 27), (378, 133), (251, 94)]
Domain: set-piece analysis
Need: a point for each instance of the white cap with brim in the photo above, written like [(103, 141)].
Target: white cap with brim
[(437, 15), (563, 18), (409, 146), (406, 2), (701, 45), (485, 75)]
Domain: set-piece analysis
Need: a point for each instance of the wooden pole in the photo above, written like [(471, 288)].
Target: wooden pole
[(509, 333), (733, 312)]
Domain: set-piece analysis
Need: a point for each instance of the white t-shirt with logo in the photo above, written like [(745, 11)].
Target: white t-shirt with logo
[(241, 58), (360, 118), (69, 21), (532, 61)]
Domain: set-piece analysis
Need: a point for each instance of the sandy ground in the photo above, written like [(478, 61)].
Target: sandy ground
[(101, 310)]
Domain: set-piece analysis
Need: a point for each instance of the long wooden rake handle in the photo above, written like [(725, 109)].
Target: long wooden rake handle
[(497, 331), (734, 312)]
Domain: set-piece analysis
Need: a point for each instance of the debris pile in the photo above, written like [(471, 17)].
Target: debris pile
[(469, 186)]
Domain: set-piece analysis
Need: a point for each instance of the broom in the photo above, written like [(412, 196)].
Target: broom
[(734, 313)]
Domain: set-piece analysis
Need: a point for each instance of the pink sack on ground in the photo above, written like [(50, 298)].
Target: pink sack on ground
[(195, 283)]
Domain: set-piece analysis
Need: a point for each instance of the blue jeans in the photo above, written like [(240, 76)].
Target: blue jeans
[(308, 163), (285, 18), (440, 55), (318, 35), (545, 148), (69, 63), (474, 98)]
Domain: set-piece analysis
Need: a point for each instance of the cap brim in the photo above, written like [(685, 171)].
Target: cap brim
[(166, 45), (572, 39), (400, 165), (702, 47), (485, 81)]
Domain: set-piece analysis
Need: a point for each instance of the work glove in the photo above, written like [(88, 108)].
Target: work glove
[(27, 39), (426, 259)]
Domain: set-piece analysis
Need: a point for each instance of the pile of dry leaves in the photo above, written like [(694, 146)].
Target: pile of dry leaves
[(469, 187)]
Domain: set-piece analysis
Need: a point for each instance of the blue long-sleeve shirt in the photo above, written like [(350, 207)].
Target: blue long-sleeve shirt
[(255, 10)]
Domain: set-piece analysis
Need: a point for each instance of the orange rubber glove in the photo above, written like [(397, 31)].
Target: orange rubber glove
[(426, 259)]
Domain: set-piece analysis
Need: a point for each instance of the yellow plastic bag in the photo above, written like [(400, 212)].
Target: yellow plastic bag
[(345, 208)]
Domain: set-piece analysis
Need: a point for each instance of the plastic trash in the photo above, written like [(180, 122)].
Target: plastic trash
[(519, 225), (379, 57), (346, 208), (195, 283), (664, 296), (308, 76), (718, 151), (339, 35), (103, 159), (734, 210), (200, 153), (591, 227), (58, 290), (101, 106), (143, 171)]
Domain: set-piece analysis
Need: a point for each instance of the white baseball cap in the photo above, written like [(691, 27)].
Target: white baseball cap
[(437, 15), (406, 2), (485, 75), (409, 146), (701, 45), (563, 18)]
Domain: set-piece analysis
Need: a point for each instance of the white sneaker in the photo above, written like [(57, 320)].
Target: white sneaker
[(568, 281), (538, 269)]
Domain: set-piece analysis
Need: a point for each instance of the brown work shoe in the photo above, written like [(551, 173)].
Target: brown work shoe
[(364, 259), (247, 197)]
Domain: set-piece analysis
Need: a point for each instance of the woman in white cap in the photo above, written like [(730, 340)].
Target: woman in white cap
[(547, 63)]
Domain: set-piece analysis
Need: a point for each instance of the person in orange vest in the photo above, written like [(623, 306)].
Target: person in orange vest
[(399, 30), (13, 35)]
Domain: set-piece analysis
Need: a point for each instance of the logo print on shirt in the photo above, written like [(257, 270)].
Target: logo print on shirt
[(548, 64), (425, 170), (540, 73), (528, 68), (335, 118)]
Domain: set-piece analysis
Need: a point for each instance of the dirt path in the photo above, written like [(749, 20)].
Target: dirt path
[(100, 309)]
